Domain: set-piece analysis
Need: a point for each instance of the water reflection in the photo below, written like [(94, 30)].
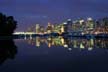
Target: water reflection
[(70, 42), (8, 50)]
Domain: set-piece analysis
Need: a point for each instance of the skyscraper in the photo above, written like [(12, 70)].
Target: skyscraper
[(90, 23), (37, 28), (49, 28), (41, 29), (69, 23), (65, 27)]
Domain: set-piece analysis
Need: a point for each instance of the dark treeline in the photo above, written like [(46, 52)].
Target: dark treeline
[(8, 49), (7, 25)]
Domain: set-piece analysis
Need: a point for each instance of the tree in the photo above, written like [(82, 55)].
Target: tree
[(7, 25)]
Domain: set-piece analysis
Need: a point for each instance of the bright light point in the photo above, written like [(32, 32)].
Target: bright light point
[(69, 19), (65, 23), (82, 46), (69, 49), (81, 21), (96, 33), (89, 49), (66, 46), (82, 33), (89, 19)]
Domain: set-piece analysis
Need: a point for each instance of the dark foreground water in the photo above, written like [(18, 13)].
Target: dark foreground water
[(54, 54)]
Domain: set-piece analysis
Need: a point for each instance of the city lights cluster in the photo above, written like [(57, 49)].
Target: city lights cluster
[(79, 27)]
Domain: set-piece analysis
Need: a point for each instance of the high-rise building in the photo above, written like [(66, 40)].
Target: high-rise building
[(37, 28), (90, 24), (41, 29), (65, 27), (62, 29), (76, 26), (81, 24), (49, 28), (69, 23)]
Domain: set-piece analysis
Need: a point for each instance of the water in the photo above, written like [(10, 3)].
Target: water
[(54, 54)]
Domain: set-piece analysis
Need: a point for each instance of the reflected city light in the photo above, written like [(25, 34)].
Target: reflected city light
[(70, 43)]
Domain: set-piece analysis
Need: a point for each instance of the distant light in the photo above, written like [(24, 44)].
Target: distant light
[(96, 33), (82, 46), (90, 48), (65, 23), (69, 20), (66, 46), (69, 49), (89, 19), (82, 33), (75, 21), (81, 21)]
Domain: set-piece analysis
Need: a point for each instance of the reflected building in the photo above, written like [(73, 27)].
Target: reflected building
[(37, 42), (72, 43), (49, 41)]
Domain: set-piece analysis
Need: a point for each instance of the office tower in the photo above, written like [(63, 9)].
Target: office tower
[(41, 29), (65, 27), (69, 23), (56, 28), (37, 28), (49, 28), (81, 24), (90, 23), (74, 26), (62, 29)]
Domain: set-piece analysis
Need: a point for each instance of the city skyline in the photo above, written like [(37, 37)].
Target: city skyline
[(53, 35), (79, 26), (31, 12)]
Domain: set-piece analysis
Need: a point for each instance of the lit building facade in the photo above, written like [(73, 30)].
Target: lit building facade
[(37, 28), (49, 28)]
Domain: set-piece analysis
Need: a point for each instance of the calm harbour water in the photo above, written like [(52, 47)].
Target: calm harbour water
[(54, 54)]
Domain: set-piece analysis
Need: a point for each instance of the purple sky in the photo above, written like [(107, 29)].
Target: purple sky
[(31, 12)]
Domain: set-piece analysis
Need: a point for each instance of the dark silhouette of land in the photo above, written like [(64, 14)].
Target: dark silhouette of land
[(8, 50), (7, 25)]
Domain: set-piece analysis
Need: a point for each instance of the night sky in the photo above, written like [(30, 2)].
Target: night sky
[(31, 12)]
